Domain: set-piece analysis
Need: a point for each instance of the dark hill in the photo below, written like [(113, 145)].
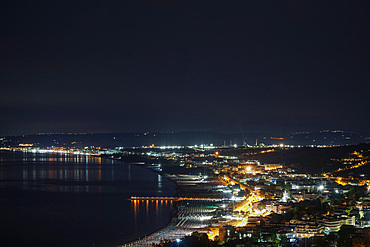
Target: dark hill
[(311, 160)]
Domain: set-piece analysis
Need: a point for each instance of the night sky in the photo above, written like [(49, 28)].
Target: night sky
[(162, 65)]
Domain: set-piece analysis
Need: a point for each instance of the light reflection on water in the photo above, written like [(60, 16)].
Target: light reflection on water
[(71, 173), (36, 171), (142, 208), (104, 188), (29, 157)]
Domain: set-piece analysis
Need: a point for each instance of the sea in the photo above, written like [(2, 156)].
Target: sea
[(57, 200)]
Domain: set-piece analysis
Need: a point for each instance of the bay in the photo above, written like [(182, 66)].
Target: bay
[(69, 200)]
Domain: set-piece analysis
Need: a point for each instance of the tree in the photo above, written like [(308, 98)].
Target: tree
[(356, 192), (344, 235)]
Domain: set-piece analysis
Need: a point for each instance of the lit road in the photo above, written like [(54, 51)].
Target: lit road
[(247, 207)]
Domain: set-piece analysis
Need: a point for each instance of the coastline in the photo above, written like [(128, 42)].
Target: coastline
[(139, 241), (173, 218), (176, 228)]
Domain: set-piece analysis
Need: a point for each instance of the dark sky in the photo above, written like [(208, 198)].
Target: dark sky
[(162, 65)]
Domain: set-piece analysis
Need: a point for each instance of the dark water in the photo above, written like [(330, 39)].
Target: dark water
[(66, 200)]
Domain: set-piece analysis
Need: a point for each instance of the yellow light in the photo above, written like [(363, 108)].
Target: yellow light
[(243, 222), (213, 233)]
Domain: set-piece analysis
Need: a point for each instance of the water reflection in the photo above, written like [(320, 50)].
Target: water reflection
[(73, 176), (106, 202), (159, 181), (59, 173), (58, 158), (142, 209), (53, 172), (80, 173)]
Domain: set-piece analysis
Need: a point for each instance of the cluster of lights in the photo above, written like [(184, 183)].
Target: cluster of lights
[(56, 151), (210, 146)]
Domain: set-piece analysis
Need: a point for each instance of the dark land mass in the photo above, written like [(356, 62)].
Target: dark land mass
[(312, 160)]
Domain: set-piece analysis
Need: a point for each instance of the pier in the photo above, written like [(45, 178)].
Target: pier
[(152, 198)]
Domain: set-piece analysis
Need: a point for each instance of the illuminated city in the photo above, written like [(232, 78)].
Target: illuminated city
[(172, 123), (241, 200)]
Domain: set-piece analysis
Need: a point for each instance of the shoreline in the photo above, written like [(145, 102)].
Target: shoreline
[(175, 229), (173, 218)]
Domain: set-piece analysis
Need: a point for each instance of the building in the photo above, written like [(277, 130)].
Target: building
[(227, 232), (329, 224)]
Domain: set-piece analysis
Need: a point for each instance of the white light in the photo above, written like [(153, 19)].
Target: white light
[(321, 187), (178, 240), (202, 218)]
